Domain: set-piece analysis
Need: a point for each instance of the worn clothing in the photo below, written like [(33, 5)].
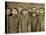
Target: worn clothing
[(14, 23), (24, 23)]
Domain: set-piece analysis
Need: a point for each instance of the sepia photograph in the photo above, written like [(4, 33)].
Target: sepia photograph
[(23, 17)]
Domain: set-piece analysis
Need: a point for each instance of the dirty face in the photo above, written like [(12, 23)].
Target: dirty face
[(14, 11), (8, 11)]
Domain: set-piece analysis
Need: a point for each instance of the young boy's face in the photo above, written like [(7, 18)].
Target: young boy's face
[(8, 11), (20, 8), (14, 11), (25, 12), (30, 10), (41, 11), (38, 12), (33, 9), (34, 14)]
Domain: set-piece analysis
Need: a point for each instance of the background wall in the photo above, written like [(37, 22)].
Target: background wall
[(24, 5)]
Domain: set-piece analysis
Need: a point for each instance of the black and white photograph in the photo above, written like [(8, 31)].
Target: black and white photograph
[(23, 17)]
